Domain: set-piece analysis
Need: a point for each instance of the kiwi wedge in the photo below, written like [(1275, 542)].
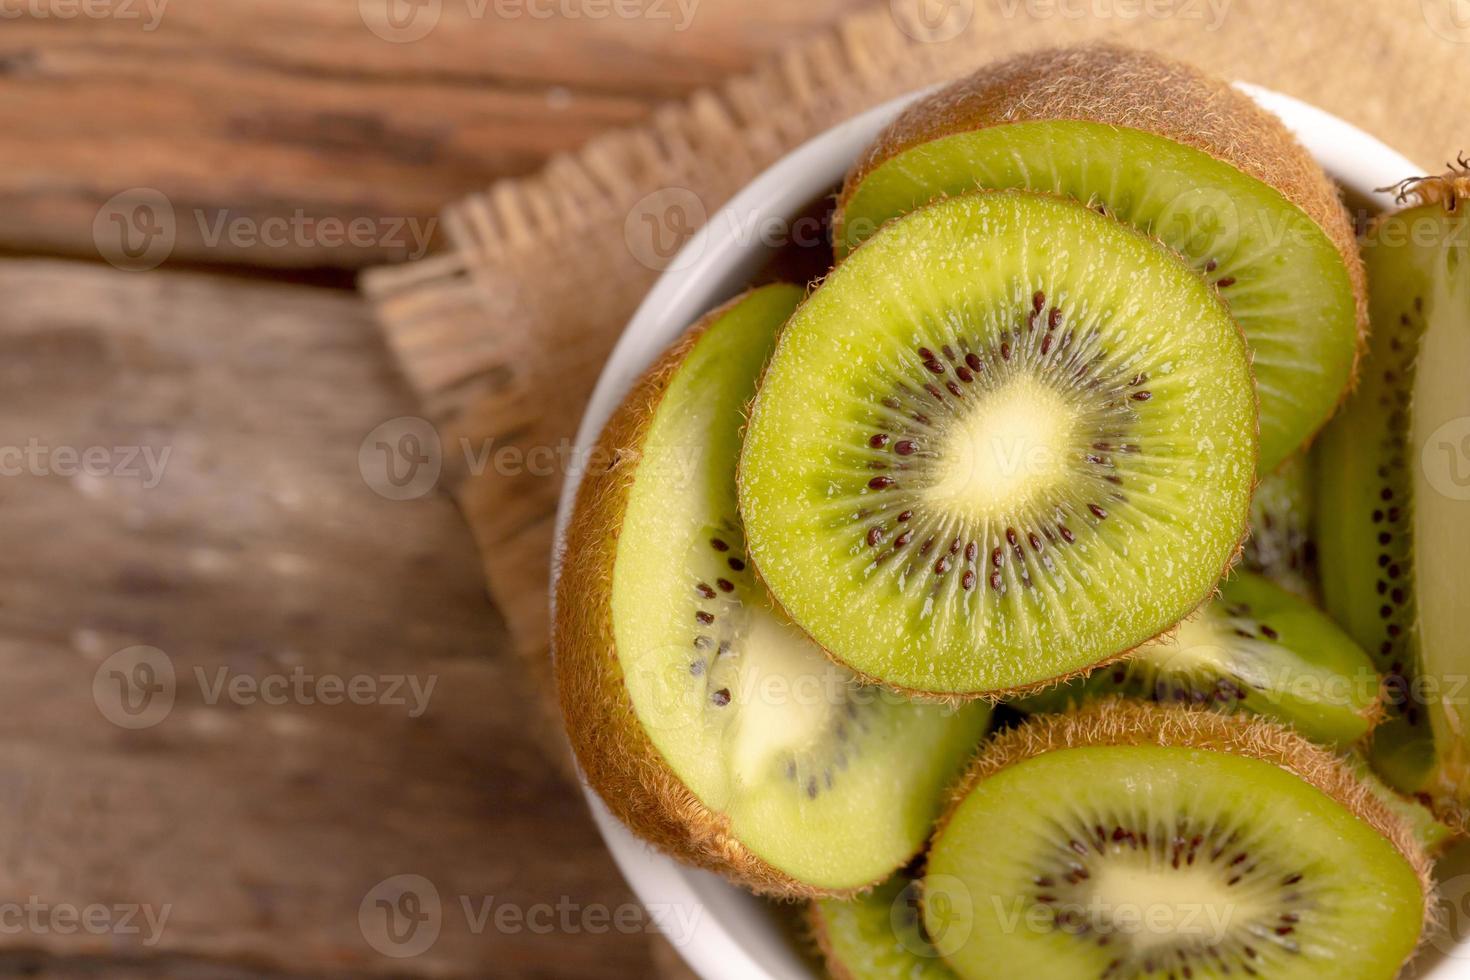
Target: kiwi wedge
[(1180, 155), (1006, 440), (705, 721), (1433, 835), (1132, 840), (878, 935), (1393, 489), (1280, 545), (1256, 648)]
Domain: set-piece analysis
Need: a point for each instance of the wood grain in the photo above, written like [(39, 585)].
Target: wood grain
[(250, 113), (260, 551)]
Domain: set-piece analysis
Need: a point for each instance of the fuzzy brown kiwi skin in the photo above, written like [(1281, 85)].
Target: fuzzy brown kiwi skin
[(1161, 96), (1123, 721), (817, 928), (617, 757), (951, 698)]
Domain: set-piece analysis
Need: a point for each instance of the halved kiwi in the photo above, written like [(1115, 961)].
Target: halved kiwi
[(1280, 545), (1131, 840), (1006, 440), (1393, 489), (1175, 153), (1256, 648), (878, 935), (706, 722)]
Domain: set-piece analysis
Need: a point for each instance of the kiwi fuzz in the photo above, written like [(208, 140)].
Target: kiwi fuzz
[(1228, 188), (1166, 97), (1038, 360), (1153, 841), (1120, 721), (616, 755)]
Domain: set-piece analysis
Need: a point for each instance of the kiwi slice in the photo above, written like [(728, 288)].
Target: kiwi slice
[(1006, 440), (1132, 840), (1280, 545), (1393, 489), (1256, 648), (1175, 153), (705, 721), (879, 935), (1433, 835)]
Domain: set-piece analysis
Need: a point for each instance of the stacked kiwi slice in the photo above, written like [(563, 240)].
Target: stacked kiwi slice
[(971, 593)]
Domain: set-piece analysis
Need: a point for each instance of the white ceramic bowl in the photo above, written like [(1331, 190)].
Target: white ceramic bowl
[(721, 931)]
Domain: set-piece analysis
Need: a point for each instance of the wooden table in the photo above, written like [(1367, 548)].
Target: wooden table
[(180, 470)]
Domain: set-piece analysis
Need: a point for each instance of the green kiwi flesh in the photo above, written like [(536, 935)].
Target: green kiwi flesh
[(878, 935), (829, 782), (1256, 648), (1185, 853), (1280, 545), (1282, 276), (1006, 440), (1393, 491)]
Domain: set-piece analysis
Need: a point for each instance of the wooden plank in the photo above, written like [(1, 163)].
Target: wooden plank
[(268, 123), (253, 548)]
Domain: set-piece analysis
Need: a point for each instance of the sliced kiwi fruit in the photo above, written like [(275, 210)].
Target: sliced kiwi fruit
[(1006, 440), (1434, 835), (1132, 840), (1393, 489), (705, 721), (1175, 153), (1280, 545), (878, 935), (1256, 648)]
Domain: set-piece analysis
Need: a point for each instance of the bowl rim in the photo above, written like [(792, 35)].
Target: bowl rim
[(716, 927)]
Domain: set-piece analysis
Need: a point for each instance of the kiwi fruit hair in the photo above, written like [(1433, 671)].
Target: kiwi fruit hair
[(666, 650), (1393, 512), (1007, 440), (1255, 648), (1129, 803), (611, 746), (1177, 153)]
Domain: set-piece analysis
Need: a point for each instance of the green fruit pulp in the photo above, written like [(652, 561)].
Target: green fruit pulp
[(833, 783), (1133, 855), (1285, 282), (1257, 648), (879, 935), (1393, 497), (1006, 440)]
